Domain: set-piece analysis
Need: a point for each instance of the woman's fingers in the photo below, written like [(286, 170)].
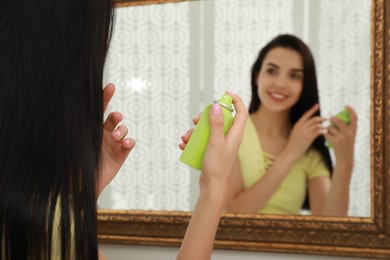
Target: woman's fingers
[(216, 122), (187, 136), (317, 129), (314, 121), (354, 117), (119, 133), (237, 129), (196, 119), (128, 143), (338, 123), (310, 129), (182, 146), (112, 121), (343, 126), (332, 131), (108, 93), (309, 113), (339, 131)]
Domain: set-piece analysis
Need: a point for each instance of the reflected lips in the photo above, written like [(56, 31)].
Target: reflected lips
[(277, 97)]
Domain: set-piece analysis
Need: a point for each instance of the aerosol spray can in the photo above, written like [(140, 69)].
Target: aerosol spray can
[(195, 149), (344, 116)]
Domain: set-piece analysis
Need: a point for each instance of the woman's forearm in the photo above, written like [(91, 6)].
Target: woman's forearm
[(337, 200), (254, 198), (200, 234)]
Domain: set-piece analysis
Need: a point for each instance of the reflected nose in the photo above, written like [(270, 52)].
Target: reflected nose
[(280, 82)]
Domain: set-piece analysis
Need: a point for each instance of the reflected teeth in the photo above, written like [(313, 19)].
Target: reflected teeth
[(279, 96)]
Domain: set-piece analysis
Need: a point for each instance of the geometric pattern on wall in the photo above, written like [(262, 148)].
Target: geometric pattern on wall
[(338, 33), (148, 62), (241, 28)]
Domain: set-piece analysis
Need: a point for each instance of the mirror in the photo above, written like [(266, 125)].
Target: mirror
[(169, 61), (300, 234)]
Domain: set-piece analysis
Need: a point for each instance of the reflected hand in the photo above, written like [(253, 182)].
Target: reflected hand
[(342, 137), (115, 147), (305, 131)]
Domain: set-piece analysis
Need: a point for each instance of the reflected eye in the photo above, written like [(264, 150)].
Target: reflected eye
[(296, 76), (271, 71)]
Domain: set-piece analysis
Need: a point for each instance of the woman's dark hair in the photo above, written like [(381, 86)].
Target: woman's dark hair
[(309, 95), (52, 55)]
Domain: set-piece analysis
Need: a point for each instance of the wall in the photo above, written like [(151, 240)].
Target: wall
[(122, 252)]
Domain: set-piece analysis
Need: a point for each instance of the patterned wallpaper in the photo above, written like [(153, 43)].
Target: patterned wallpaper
[(148, 62), (169, 61)]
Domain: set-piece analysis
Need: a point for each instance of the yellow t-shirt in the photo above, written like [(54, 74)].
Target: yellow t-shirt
[(290, 195)]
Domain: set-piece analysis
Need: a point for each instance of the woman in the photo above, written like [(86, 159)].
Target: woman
[(283, 155), (56, 155)]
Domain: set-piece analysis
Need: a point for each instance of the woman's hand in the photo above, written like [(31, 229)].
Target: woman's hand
[(220, 154), (242, 114), (342, 137), (304, 132), (115, 147), (222, 150)]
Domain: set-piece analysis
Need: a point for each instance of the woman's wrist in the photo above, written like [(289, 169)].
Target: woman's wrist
[(214, 193), (288, 156), (345, 166)]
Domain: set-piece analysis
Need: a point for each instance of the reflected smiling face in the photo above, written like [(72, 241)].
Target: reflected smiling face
[(280, 81)]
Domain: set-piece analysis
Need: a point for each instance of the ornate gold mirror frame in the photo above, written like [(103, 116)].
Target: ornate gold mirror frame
[(337, 236)]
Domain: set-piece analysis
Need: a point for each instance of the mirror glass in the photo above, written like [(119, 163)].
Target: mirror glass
[(168, 61)]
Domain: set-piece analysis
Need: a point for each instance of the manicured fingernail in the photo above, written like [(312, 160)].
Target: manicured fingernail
[(127, 142), (116, 133), (216, 109)]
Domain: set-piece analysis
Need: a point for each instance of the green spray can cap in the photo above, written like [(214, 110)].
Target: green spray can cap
[(226, 101), (344, 116)]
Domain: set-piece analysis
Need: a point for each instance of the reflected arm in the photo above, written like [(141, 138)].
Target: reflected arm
[(338, 198), (318, 191), (255, 197), (342, 137)]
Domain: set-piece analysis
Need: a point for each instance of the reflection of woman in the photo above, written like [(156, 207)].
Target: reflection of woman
[(56, 154), (283, 156)]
